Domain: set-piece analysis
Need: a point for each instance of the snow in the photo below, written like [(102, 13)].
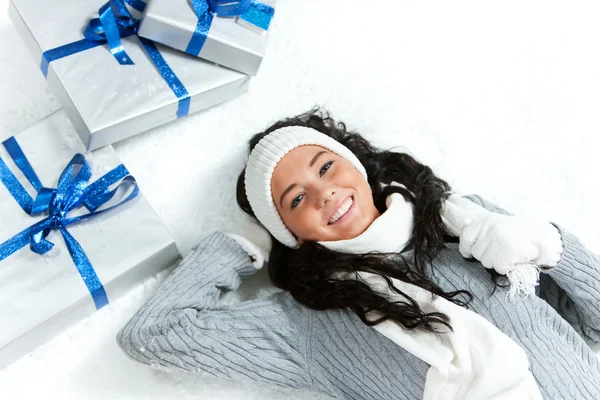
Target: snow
[(500, 99)]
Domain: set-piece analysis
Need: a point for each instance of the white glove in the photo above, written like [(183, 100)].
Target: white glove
[(257, 256), (459, 212), (500, 241), (258, 247)]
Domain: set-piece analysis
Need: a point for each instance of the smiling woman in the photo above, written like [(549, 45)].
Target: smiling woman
[(376, 258), (321, 196)]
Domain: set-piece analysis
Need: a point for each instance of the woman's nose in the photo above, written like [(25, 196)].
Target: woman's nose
[(326, 194)]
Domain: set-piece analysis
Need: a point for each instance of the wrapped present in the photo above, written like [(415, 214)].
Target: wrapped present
[(112, 83), (229, 33), (75, 233)]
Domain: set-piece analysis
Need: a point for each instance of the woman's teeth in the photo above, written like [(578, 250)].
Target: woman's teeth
[(342, 210)]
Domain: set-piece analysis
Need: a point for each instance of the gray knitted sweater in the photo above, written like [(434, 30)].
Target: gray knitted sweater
[(278, 341)]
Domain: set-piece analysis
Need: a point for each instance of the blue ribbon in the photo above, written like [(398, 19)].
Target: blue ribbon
[(139, 5), (251, 11), (115, 22), (259, 14), (72, 191)]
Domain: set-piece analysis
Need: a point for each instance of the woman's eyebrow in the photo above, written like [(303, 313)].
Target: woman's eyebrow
[(286, 191), (314, 159)]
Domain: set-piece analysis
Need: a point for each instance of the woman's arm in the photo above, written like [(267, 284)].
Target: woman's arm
[(574, 287), (182, 326)]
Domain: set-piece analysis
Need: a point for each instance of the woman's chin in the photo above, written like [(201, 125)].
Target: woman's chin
[(350, 232)]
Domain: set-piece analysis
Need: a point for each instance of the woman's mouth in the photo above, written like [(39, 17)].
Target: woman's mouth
[(342, 210)]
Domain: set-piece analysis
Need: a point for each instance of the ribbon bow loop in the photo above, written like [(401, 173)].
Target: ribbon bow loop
[(71, 186), (42, 201), (113, 23), (38, 243)]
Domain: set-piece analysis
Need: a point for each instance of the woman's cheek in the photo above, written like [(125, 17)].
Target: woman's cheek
[(303, 222), (314, 221)]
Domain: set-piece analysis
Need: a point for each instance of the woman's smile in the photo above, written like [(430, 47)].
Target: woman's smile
[(343, 211)]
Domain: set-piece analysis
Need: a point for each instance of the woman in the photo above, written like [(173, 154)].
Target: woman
[(376, 258)]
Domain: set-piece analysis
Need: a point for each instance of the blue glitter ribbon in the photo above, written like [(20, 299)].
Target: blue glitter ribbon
[(251, 11), (137, 4), (115, 22), (259, 14), (71, 192)]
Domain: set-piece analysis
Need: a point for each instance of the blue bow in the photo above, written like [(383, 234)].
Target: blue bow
[(252, 11), (72, 191), (113, 23)]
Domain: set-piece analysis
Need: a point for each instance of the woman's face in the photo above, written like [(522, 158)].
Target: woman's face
[(320, 196)]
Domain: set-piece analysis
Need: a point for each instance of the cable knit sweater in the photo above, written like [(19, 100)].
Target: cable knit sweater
[(278, 341)]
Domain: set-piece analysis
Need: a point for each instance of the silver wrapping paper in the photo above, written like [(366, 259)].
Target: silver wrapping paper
[(106, 101), (42, 295), (172, 22)]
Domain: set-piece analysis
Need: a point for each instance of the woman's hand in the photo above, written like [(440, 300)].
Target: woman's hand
[(500, 241)]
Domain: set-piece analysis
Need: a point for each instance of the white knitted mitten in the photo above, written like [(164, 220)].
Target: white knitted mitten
[(501, 242), (512, 246)]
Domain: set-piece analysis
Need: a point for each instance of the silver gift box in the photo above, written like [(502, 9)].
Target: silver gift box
[(106, 101), (229, 43), (42, 295)]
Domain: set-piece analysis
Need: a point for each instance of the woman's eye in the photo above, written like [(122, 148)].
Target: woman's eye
[(325, 167), (296, 200)]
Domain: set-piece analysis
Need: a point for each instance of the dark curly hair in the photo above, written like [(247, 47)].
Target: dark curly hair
[(309, 272)]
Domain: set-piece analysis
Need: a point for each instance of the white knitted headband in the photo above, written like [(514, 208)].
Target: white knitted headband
[(263, 160)]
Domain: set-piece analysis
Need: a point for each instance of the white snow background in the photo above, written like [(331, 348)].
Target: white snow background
[(499, 98)]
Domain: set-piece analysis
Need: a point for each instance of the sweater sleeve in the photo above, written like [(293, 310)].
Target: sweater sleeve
[(578, 274), (182, 327), (572, 287)]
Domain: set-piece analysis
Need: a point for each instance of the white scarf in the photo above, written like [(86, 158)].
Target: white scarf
[(476, 360)]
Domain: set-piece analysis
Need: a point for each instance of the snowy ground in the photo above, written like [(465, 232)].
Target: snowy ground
[(500, 99)]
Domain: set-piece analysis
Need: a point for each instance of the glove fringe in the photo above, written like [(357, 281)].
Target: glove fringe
[(523, 280)]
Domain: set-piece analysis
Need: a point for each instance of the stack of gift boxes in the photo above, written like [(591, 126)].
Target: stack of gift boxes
[(75, 230)]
